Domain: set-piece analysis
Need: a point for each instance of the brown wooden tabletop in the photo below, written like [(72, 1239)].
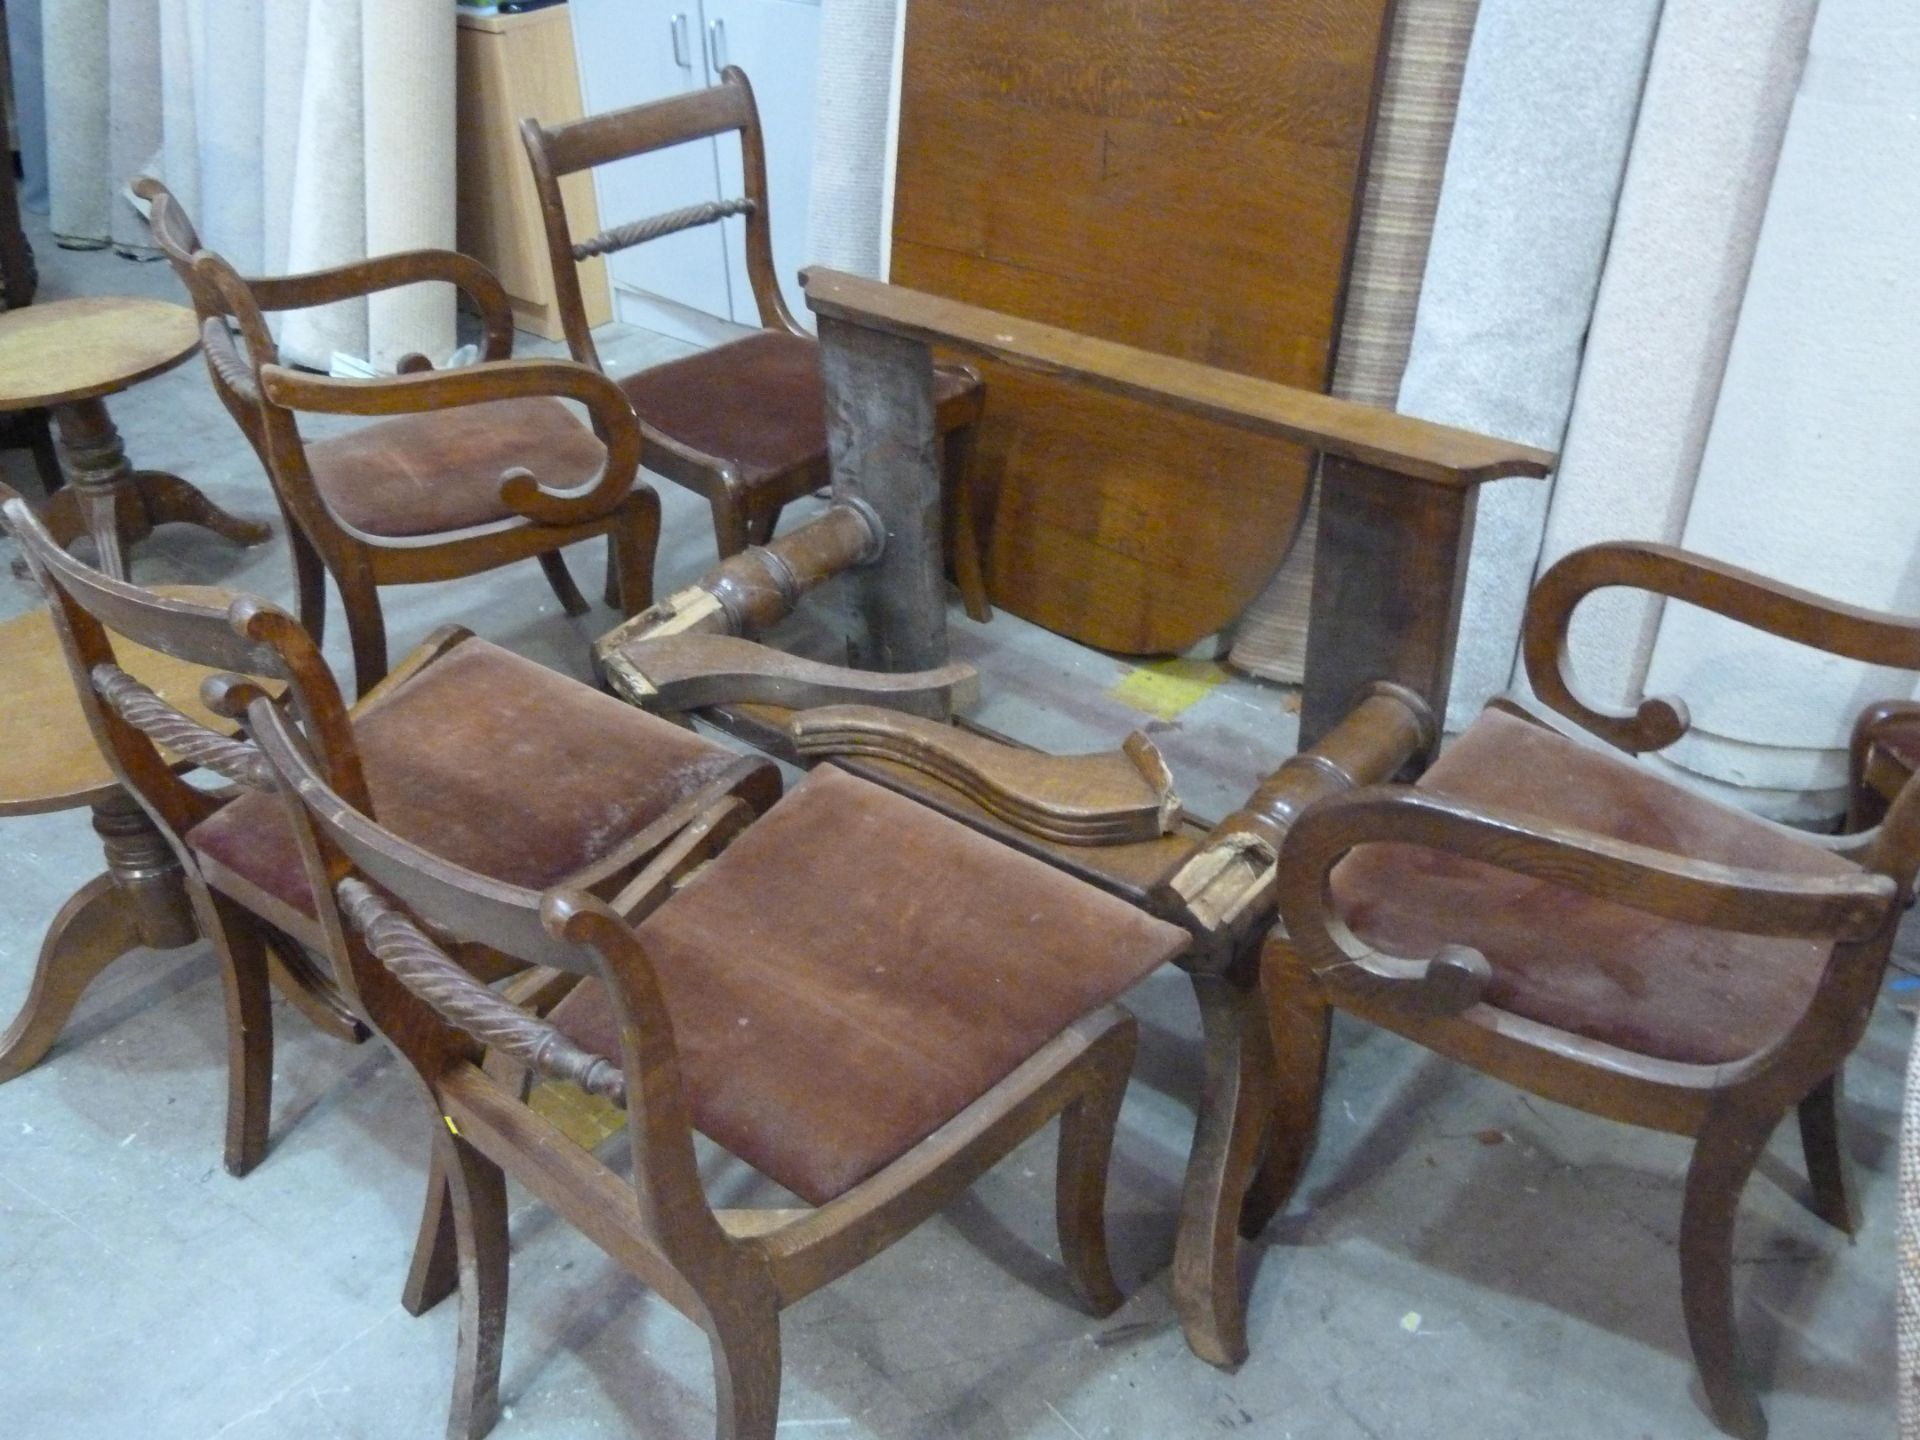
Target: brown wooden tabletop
[(67, 350), (48, 760)]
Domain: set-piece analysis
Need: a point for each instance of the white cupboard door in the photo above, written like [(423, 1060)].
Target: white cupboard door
[(632, 51), (777, 42)]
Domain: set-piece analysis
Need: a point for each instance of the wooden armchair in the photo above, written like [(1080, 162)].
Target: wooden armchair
[(792, 988), (1612, 941), (471, 469), (426, 747), (741, 424), (1397, 520)]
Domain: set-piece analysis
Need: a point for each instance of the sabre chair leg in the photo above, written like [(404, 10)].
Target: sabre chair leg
[(1234, 1105), (1080, 1186)]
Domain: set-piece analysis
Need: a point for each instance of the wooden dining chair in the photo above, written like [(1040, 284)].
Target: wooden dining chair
[(1616, 942), (790, 986), (467, 749), (465, 471), (744, 423)]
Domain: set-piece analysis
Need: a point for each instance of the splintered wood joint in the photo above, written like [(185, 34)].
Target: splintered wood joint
[(1220, 882), (627, 679)]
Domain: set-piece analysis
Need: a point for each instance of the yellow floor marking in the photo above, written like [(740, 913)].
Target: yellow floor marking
[(1167, 687)]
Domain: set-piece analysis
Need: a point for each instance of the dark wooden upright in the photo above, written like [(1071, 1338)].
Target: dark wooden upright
[(1399, 492)]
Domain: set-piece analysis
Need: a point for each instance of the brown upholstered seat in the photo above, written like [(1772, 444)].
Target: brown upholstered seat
[(495, 763), (1656, 987), (758, 402), (440, 470), (854, 971)]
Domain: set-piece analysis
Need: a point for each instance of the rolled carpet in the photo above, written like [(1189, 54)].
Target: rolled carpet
[(1533, 175), (1808, 473), (1718, 93)]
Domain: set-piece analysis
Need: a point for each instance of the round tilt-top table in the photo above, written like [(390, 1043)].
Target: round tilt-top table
[(68, 356), (50, 762)]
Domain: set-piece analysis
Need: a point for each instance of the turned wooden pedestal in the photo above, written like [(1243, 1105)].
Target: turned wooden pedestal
[(69, 355), (49, 762)]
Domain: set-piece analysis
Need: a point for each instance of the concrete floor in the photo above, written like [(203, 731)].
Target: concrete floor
[(1461, 1261)]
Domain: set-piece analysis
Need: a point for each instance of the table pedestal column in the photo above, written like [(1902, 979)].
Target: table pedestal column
[(116, 504)]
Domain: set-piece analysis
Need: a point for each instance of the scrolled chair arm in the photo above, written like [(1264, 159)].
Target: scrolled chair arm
[(359, 278), (607, 406), (1741, 595), (1754, 902)]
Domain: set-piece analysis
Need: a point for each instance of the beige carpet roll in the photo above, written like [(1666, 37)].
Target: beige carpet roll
[(1547, 110), (846, 219), (407, 55), (133, 120), (1719, 89), (77, 65), (284, 61), (1907, 1253), (1427, 52), (1809, 472), (328, 224)]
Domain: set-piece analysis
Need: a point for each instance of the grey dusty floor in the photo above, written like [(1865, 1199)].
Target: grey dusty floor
[(1460, 1261)]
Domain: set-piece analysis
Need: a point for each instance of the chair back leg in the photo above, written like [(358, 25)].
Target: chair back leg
[(1832, 1193), (1080, 1187)]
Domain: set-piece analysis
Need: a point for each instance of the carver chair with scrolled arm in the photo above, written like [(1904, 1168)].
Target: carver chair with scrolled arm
[(1614, 941), (462, 471)]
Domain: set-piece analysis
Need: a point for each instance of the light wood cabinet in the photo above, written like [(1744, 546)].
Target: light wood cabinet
[(512, 66), (631, 51)]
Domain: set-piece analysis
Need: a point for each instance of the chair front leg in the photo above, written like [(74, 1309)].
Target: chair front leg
[(1086, 1150), (366, 627), (632, 546), (744, 1333), (240, 944), (1234, 1105), (309, 578), (477, 1191), (1299, 1022)]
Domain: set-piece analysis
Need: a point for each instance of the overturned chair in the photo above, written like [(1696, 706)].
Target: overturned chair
[(1398, 501)]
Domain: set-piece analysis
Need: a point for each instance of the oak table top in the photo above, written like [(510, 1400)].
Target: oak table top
[(78, 349)]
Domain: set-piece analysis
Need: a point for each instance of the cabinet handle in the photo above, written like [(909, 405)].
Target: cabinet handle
[(717, 45), (681, 55)]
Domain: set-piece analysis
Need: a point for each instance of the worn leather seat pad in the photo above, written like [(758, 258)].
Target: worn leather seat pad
[(438, 471), (495, 763), (758, 402), (1595, 968), (855, 970)]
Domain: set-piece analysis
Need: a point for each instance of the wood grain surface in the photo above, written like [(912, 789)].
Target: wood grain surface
[(84, 348), (50, 760), (1179, 177)]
